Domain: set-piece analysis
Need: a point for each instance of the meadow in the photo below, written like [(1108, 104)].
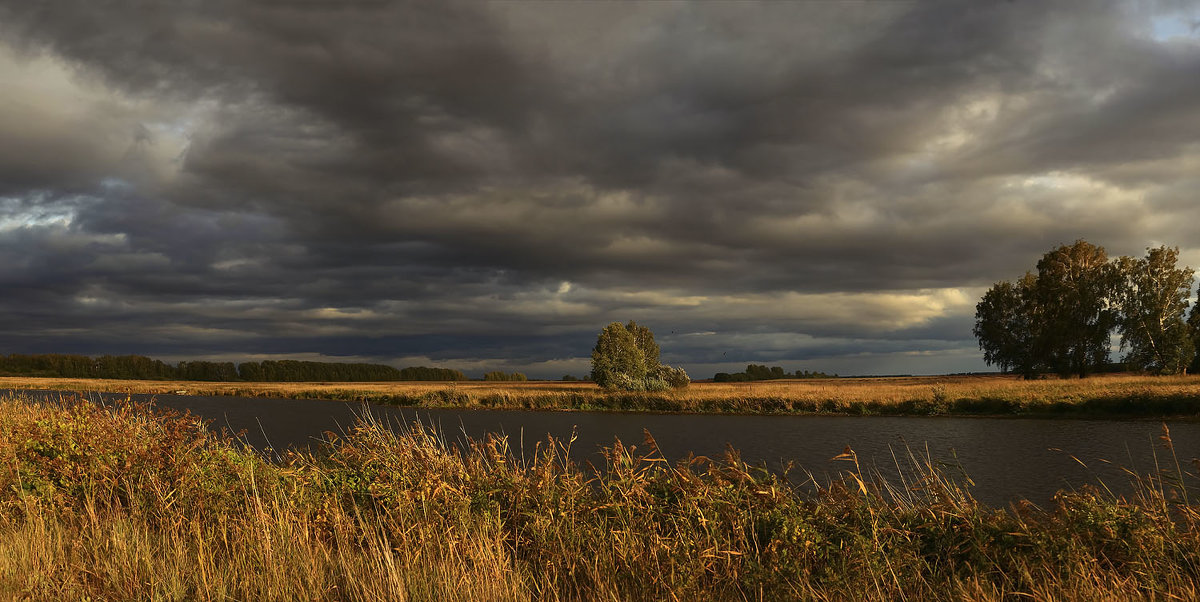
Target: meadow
[(1121, 395), (119, 503)]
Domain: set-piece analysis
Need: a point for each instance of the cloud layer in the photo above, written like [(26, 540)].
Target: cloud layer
[(824, 186)]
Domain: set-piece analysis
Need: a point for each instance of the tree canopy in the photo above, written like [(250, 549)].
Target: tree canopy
[(1153, 301), (1006, 324), (1074, 287)]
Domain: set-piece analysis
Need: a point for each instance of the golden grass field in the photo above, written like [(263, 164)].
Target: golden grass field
[(1120, 395)]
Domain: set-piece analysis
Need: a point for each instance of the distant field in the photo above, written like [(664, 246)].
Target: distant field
[(1110, 395)]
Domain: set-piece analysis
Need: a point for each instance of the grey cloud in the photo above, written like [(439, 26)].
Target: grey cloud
[(407, 180)]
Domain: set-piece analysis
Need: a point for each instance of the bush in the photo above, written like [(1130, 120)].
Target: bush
[(656, 385), (617, 360), (674, 377), (625, 358)]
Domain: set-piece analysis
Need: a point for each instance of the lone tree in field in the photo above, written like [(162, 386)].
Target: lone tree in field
[(626, 358)]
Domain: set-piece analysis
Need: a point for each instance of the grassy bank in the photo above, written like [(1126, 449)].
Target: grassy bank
[(114, 503), (1101, 396)]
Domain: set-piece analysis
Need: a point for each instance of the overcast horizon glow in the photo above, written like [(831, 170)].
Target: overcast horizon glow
[(481, 186)]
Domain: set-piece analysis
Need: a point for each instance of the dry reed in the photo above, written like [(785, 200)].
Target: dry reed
[(114, 503), (1106, 395)]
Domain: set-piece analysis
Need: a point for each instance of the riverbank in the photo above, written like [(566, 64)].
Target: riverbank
[(1115, 396), (115, 503)]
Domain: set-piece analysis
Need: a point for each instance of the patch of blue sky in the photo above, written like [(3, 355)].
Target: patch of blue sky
[(1169, 27)]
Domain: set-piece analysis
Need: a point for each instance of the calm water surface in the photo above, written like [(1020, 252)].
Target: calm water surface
[(1006, 458)]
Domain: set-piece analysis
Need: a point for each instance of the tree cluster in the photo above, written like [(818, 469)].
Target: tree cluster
[(81, 366), (505, 376), (423, 373), (300, 371), (210, 371), (761, 372), (626, 358), (1061, 319)]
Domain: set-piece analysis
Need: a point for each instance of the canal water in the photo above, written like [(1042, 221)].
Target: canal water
[(1006, 459)]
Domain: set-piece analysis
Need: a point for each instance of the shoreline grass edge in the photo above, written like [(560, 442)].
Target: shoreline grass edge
[(1101, 397)]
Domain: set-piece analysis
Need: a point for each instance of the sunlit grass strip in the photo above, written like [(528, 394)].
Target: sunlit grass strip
[(114, 504), (1114, 395)]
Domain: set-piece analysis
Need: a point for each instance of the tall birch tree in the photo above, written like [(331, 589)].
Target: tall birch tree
[(1153, 298)]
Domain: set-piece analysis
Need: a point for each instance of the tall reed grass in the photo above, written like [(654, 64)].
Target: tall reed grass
[(116, 503)]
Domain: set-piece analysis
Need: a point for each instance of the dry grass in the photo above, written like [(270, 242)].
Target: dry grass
[(111, 503), (1109, 395)]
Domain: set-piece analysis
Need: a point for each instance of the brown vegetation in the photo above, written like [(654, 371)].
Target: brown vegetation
[(1112, 395), (113, 503)]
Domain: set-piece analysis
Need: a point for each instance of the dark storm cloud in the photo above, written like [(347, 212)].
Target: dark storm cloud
[(493, 182)]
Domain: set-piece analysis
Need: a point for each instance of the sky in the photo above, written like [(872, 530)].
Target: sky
[(484, 185)]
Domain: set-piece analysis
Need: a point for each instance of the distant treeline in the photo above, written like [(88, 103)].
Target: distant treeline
[(759, 372), (143, 368), (291, 370), (500, 375)]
